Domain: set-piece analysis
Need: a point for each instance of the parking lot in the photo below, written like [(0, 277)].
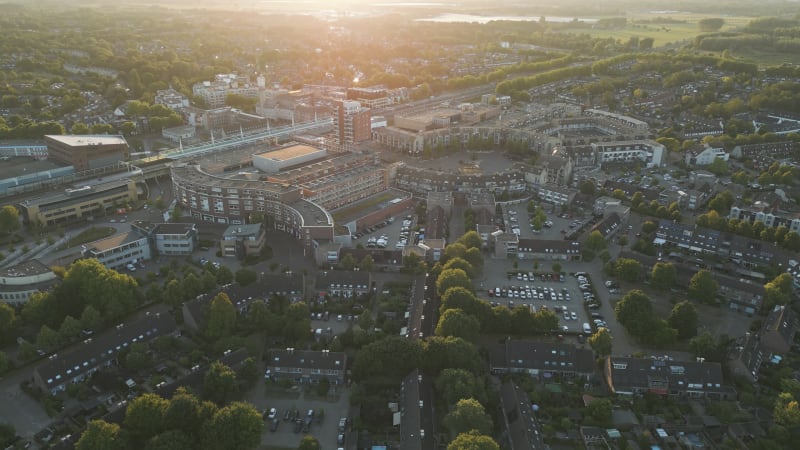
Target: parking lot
[(561, 294), (392, 233), (517, 214), (287, 434)]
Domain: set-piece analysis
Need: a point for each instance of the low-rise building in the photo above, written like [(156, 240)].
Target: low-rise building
[(415, 413), (307, 366), (541, 359), (20, 281), (648, 152), (86, 152), (774, 340), (81, 361), (77, 203), (518, 416), (118, 251), (242, 241), (549, 250), (343, 283), (705, 155), (609, 226), (686, 379), (168, 238)]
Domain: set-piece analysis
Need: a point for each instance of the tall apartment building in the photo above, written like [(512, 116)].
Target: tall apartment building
[(352, 123), (87, 151)]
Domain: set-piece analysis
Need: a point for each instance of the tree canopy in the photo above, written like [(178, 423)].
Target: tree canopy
[(467, 415), (703, 287)]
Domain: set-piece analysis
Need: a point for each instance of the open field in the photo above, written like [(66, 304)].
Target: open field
[(684, 28)]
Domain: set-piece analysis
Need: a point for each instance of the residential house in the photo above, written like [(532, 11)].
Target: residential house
[(609, 226), (555, 195), (342, 283), (648, 152), (518, 417), (550, 250), (774, 339), (767, 213), (740, 294), (415, 414), (691, 379), (705, 155), (307, 366), (81, 361), (541, 359)]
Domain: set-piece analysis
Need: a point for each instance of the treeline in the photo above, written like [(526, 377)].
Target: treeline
[(183, 422), (764, 33), (18, 128), (510, 87)]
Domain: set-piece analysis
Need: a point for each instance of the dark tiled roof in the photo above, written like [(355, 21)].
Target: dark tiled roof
[(307, 359), (631, 373), (102, 348), (558, 246), (541, 355)]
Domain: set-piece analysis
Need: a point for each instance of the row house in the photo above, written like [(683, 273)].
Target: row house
[(550, 250), (686, 379), (771, 150), (541, 360), (769, 216), (705, 155), (343, 283), (306, 366), (94, 354), (769, 344)]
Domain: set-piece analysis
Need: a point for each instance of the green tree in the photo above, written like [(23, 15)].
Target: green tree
[(702, 345), (472, 440), (392, 357), (463, 299), (8, 319), (703, 287), (718, 167), (309, 443), (367, 263), (635, 312), (470, 239), (786, 410), (348, 262), (224, 275), (235, 427), (451, 278), (460, 263), (70, 329), (173, 293), (684, 319), (441, 353), (596, 242), (246, 276), (47, 337), (601, 342), (456, 384), (365, 320), (9, 219), (600, 411), (191, 286), (91, 319), (100, 435), (467, 415), (144, 417), (221, 317), (219, 383), (171, 440), (587, 187), (710, 24), (778, 291), (628, 269), (137, 357), (663, 276), (455, 322), (184, 412)]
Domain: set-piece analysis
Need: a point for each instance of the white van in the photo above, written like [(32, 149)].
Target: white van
[(587, 328)]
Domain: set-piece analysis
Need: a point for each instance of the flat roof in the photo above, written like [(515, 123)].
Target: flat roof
[(113, 241), (290, 152), (63, 199), (25, 269), (88, 139), (195, 174)]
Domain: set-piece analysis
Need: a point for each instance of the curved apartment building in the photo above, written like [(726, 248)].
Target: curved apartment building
[(213, 198)]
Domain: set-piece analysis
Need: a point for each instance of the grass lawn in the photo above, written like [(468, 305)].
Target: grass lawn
[(89, 235), (662, 33), (366, 204)]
